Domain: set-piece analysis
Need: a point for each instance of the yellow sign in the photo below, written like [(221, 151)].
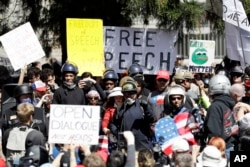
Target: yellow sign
[(85, 45)]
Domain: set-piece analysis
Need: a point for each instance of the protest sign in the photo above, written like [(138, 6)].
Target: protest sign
[(153, 49), (85, 45), (76, 124), (22, 46), (237, 31), (234, 13), (201, 56)]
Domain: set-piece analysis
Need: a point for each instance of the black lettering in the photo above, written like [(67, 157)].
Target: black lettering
[(124, 34), (137, 38), (230, 16), (149, 38), (134, 55), (108, 56), (224, 9), (107, 36), (121, 60), (162, 60), (245, 21), (236, 16), (147, 60)]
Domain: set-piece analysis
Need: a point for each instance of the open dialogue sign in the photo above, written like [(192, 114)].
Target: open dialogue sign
[(76, 124), (153, 49)]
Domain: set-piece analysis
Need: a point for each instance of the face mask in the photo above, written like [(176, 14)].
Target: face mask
[(129, 101), (27, 100)]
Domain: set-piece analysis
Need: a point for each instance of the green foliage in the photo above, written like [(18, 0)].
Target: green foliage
[(50, 19)]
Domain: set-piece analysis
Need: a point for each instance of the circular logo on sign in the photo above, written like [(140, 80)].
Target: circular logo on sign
[(199, 56)]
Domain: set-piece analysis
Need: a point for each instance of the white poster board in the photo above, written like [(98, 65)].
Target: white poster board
[(153, 49), (201, 56), (22, 46), (74, 124)]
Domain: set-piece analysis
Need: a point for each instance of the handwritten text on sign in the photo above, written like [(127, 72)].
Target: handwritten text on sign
[(234, 13), (151, 48), (74, 124), (22, 46), (201, 56), (85, 44)]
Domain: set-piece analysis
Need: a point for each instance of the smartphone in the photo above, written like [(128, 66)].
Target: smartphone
[(88, 83), (121, 141)]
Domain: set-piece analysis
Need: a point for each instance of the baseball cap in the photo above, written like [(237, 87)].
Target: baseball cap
[(163, 74), (38, 86), (180, 145)]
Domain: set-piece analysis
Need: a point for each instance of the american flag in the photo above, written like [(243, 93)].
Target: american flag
[(158, 99), (171, 129)]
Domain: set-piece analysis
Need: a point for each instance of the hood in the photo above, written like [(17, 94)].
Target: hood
[(225, 99)]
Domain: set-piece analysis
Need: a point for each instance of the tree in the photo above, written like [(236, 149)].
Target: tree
[(48, 17)]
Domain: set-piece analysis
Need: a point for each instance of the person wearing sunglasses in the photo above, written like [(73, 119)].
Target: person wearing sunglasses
[(93, 97)]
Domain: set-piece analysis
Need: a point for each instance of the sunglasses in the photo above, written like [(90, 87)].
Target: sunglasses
[(93, 98), (179, 81), (175, 98), (128, 93)]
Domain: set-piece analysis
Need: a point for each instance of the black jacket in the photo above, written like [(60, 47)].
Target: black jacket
[(64, 95), (220, 120), (133, 118)]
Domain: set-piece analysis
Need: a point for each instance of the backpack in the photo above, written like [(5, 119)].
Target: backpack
[(16, 144)]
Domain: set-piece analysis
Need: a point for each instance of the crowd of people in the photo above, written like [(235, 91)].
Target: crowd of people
[(181, 120)]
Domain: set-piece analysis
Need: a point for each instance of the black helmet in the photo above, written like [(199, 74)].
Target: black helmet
[(110, 75), (69, 67), (35, 155), (21, 90), (134, 69), (129, 86), (237, 69)]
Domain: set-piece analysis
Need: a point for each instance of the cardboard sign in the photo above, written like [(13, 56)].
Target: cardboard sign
[(74, 124), (153, 49), (201, 56), (85, 45), (22, 46)]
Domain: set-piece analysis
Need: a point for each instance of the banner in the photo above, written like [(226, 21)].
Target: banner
[(201, 56), (74, 124), (237, 32), (153, 49), (85, 45), (234, 13), (22, 46), (237, 44)]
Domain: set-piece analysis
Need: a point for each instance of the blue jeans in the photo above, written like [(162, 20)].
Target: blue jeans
[(227, 152)]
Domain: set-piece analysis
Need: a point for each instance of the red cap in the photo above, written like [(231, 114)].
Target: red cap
[(163, 74), (247, 84)]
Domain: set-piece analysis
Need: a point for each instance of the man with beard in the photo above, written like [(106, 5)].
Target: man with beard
[(69, 92)]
